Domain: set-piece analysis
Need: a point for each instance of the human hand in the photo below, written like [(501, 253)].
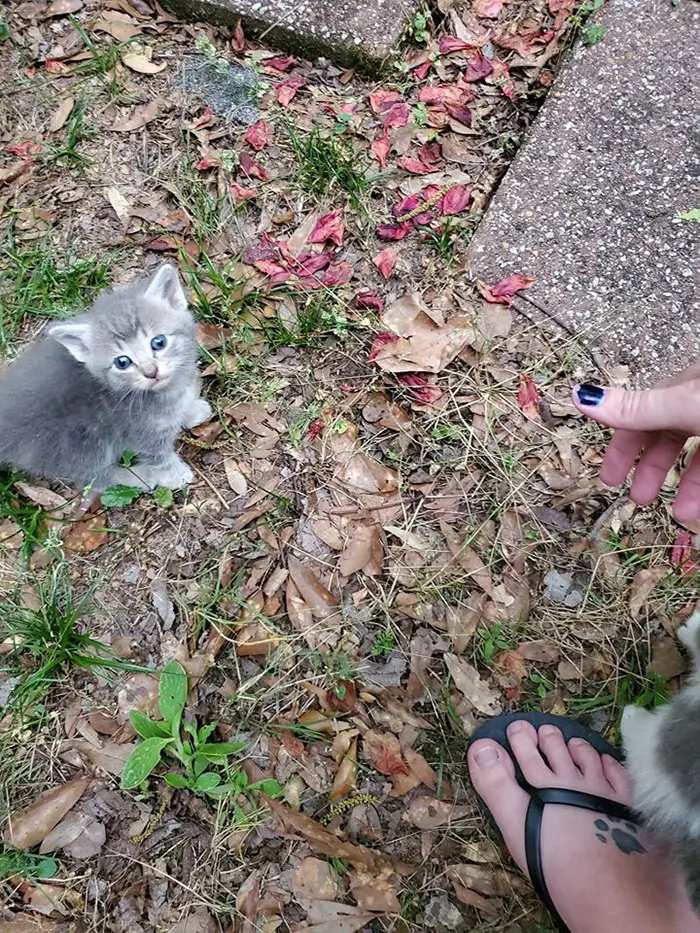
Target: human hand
[(651, 428)]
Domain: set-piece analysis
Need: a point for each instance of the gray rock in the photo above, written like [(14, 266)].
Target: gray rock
[(590, 206), (354, 33), (229, 92), (442, 916), (557, 585)]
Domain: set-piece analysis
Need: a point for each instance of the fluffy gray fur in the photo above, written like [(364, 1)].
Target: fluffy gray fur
[(68, 412), (662, 749)]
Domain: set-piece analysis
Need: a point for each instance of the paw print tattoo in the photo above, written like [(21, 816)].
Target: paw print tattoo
[(624, 835)]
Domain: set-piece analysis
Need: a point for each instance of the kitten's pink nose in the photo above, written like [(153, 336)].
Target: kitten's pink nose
[(150, 371)]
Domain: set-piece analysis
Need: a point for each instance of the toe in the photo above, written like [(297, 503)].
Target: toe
[(523, 743), (493, 776), (587, 759), (618, 778), (553, 746)]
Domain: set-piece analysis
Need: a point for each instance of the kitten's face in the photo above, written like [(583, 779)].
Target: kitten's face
[(138, 338)]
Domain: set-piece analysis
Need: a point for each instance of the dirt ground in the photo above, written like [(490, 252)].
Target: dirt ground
[(396, 527)]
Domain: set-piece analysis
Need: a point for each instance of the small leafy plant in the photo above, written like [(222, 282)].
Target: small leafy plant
[(116, 497), (492, 640), (26, 865), (188, 744)]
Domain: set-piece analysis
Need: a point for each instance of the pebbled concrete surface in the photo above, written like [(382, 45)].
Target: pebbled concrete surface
[(590, 206), (355, 33)]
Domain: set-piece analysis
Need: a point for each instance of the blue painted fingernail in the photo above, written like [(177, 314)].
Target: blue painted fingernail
[(588, 394)]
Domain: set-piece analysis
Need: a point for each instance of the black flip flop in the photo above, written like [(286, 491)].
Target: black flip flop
[(495, 729)]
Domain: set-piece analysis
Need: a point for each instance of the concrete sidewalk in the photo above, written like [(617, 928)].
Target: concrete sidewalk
[(590, 207)]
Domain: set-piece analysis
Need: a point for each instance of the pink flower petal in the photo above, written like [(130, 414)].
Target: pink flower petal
[(329, 227), (385, 261), (258, 135)]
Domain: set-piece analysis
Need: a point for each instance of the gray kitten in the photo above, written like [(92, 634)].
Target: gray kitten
[(662, 750), (122, 376)]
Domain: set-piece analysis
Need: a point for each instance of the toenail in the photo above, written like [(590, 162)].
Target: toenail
[(548, 730), (487, 755), (518, 726)]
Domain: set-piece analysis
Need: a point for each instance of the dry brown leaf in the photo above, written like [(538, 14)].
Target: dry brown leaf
[(29, 925), (138, 119), (321, 840), (31, 825), (346, 775), (462, 621), (375, 892), (385, 751), (494, 321), (61, 114), (121, 30), (41, 496), (487, 880), (10, 534), (247, 905), (315, 879), (321, 601), (423, 345), (298, 610), (468, 681), (492, 908), (110, 758), (142, 64), (540, 650), (327, 532), (63, 8), (644, 582), (364, 551), (86, 535), (79, 835), (428, 813), (120, 205), (337, 918), (666, 659), (13, 171), (235, 478), (357, 470)]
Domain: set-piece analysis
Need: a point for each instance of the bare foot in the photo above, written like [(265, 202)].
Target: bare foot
[(603, 875)]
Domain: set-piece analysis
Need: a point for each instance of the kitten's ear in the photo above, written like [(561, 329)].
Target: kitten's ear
[(74, 336), (165, 288)]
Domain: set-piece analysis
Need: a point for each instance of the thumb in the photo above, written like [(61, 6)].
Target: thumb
[(672, 408)]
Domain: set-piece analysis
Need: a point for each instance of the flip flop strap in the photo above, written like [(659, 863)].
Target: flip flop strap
[(539, 797)]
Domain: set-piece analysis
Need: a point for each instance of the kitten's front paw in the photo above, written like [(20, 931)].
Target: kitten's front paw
[(199, 412), (175, 476), (633, 724)]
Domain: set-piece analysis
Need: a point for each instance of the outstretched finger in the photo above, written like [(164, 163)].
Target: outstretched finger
[(621, 455), (674, 408), (686, 508), (657, 458)]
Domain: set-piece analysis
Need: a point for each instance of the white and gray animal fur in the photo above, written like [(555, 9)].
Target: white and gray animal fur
[(122, 376), (662, 750)]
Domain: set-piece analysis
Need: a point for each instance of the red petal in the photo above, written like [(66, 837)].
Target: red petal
[(431, 153), (421, 72), (398, 115), (394, 231), (280, 63), (456, 200), (210, 159), (385, 261), (382, 100), (380, 341), (415, 166), (315, 429), (28, 147), (406, 206), (682, 548), (286, 90), (337, 274), (449, 44), (241, 194), (54, 67), (311, 263), (238, 41), (477, 67), (528, 397), (381, 146), (491, 9), (422, 391), (460, 113), (368, 299), (250, 167), (203, 119), (258, 135), (329, 227), (503, 291)]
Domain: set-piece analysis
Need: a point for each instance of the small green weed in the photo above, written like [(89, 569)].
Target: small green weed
[(119, 496), (188, 744), (206, 48), (336, 665), (42, 644), (492, 640), (29, 517), (4, 28), (78, 130), (26, 865), (693, 214), (445, 238), (593, 33), (384, 643), (419, 27), (327, 162)]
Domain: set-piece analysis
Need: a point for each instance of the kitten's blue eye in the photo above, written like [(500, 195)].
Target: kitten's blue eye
[(159, 341), (122, 362)]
